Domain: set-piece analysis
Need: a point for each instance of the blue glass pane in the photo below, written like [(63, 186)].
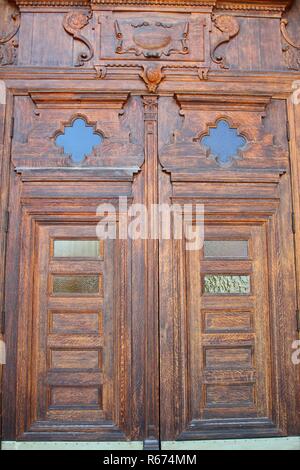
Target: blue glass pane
[(78, 140), (223, 142)]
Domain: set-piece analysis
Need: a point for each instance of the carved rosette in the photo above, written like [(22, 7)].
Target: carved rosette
[(225, 28), (290, 48), (74, 22), (9, 43)]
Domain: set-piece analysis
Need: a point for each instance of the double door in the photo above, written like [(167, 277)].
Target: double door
[(117, 331)]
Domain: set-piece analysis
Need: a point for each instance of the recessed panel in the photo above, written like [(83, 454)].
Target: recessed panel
[(64, 323), (222, 249), (222, 284), (75, 359), (76, 248), (227, 396), (75, 397), (220, 322), (228, 358)]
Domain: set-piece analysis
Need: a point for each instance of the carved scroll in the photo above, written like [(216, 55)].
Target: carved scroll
[(224, 29), (152, 39), (73, 22), (9, 45), (290, 48)]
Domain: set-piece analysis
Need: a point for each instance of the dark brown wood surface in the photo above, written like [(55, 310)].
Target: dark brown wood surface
[(150, 355)]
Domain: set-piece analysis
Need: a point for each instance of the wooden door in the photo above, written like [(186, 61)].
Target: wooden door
[(121, 339), (227, 312), (90, 312), (74, 303)]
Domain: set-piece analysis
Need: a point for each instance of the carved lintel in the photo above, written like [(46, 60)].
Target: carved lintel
[(73, 22), (225, 28), (8, 43), (290, 48), (152, 76)]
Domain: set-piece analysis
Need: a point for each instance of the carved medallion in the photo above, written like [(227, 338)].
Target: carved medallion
[(73, 22), (152, 39), (8, 42)]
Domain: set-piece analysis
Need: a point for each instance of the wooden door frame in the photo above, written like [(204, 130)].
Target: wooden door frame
[(280, 87)]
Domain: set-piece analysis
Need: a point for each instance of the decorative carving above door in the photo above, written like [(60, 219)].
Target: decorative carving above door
[(73, 22), (185, 40), (224, 29), (166, 40), (152, 39)]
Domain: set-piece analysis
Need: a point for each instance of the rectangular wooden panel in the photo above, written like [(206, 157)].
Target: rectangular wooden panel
[(75, 397), (75, 359), (73, 337), (75, 323), (218, 322), (219, 396), (228, 358)]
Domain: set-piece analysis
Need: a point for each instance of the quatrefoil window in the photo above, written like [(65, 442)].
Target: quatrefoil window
[(224, 143), (78, 140)]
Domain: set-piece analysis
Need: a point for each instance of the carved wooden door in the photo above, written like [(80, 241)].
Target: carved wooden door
[(227, 312), (71, 361), (180, 103), (90, 312)]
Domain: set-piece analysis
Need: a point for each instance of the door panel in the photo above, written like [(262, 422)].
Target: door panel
[(231, 364), (227, 313), (72, 327), (72, 381), (71, 321)]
